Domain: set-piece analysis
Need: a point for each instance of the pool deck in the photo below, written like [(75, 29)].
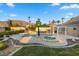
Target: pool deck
[(61, 40), (56, 42)]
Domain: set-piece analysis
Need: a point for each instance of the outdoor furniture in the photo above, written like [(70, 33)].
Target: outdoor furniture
[(70, 42), (77, 40)]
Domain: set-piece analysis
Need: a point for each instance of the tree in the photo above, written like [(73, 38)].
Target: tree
[(44, 25), (62, 20), (71, 20), (7, 28), (31, 28), (29, 19), (10, 22), (53, 21), (38, 24), (58, 22)]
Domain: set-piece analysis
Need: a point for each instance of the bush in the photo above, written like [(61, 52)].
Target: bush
[(11, 32), (1, 39), (17, 31), (3, 45), (7, 28), (31, 28)]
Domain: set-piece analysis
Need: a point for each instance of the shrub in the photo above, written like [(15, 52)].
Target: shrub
[(31, 28), (3, 45), (1, 39), (11, 32), (7, 28)]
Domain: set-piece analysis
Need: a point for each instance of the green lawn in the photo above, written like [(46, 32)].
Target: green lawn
[(45, 51)]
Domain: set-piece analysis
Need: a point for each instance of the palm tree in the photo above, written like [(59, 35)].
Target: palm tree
[(53, 22), (38, 24), (58, 21), (29, 20), (62, 20), (10, 22), (71, 20)]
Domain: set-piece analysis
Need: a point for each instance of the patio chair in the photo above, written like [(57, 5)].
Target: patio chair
[(70, 42)]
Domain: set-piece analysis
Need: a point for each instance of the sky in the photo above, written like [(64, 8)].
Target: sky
[(45, 11)]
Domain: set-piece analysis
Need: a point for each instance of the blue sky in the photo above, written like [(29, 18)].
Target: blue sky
[(45, 11)]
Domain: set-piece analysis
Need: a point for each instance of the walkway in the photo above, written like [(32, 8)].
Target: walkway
[(7, 51), (61, 41)]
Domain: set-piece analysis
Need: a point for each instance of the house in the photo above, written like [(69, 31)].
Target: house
[(50, 28), (70, 27), (15, 24), (43, 29), (17, 28), (20, 23), (2, 29), (3, 24), (53, 28)]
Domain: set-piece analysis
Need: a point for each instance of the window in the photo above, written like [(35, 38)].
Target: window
[(74, 28)]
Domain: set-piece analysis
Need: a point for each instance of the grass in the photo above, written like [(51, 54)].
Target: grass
[(45, 51)]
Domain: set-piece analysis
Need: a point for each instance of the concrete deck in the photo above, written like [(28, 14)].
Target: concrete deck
[(61, 40)]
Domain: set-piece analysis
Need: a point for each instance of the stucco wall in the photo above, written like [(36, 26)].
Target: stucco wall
[(2, 29), (17, 28), (73, 32), (43, 28)]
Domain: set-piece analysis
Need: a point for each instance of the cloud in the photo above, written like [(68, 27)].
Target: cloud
[(70, 14), (10, 4), (13, 15), (55, 4), (1, 11), (70, 6), (67, 16)]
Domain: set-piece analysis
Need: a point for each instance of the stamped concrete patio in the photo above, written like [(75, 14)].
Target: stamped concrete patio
[(59, 41)]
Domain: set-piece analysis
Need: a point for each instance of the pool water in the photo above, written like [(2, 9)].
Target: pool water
[(50, 38)]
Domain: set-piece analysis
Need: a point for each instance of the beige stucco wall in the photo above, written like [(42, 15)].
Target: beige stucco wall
[(72, 32), (17, 28), (43, 28), (2, 29)]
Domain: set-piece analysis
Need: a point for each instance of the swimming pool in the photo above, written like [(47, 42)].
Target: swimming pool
[(50, 38)]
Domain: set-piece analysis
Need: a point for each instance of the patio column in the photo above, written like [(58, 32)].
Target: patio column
[(57, 31), (65, 30), (53, 30), (50, 30)]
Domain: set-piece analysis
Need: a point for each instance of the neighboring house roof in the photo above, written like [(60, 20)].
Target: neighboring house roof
[(19, 22), (51, 24), (4, 24), (73, 22)]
